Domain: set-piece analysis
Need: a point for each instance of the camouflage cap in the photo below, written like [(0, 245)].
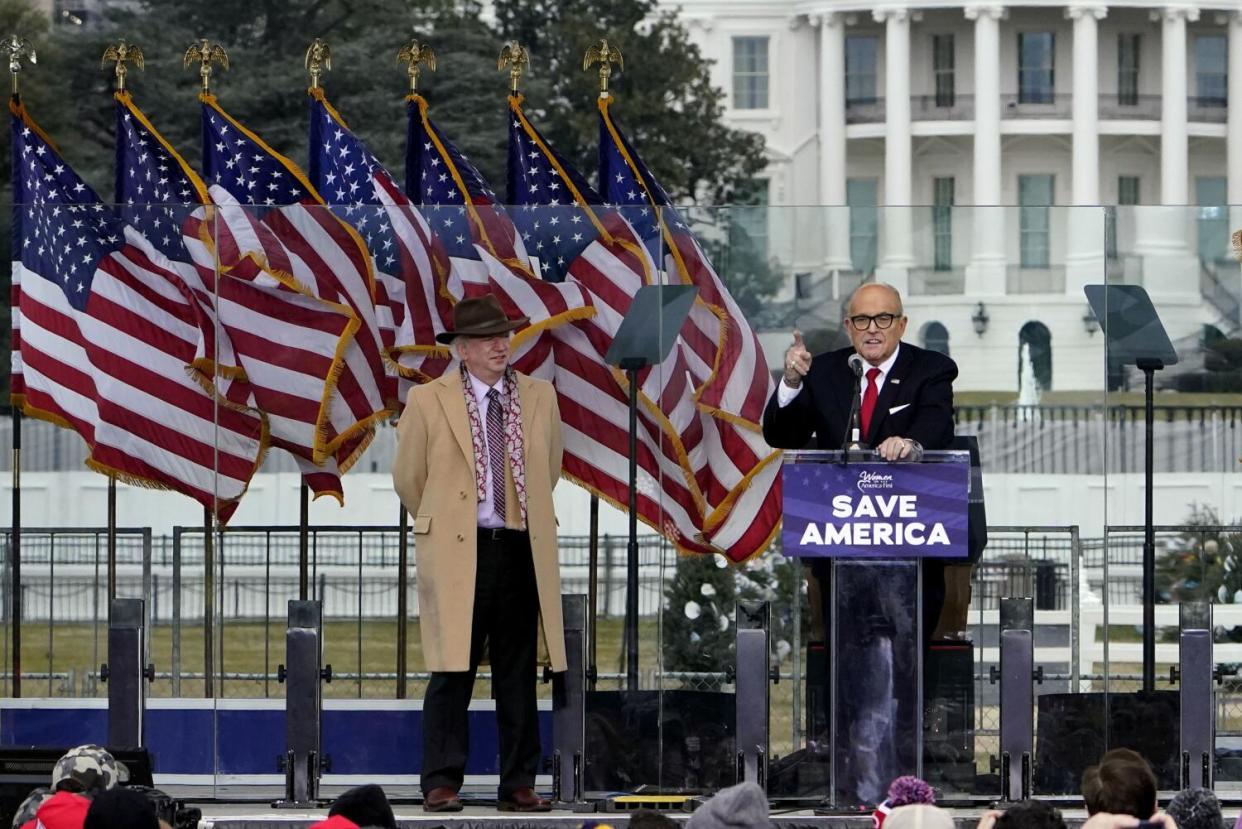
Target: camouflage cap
[(87, 769), (26, 811)]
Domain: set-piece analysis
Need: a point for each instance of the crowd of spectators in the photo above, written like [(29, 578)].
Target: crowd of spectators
[(89, 790)]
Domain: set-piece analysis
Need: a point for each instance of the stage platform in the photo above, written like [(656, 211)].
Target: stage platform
[(482, 814)]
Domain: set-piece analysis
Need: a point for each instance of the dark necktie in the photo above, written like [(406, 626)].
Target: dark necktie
[(868, 401), (496, 450)]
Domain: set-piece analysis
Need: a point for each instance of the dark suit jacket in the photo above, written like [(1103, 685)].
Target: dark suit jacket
[(921, 381)]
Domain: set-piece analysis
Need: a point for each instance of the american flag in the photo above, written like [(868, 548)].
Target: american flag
[(104, 333), (484, 248), (414, 302), (272, 227), (728, 371), (275, 347), (689, 481)]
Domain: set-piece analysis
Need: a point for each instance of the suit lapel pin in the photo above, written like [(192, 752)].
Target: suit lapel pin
[(896, 381)]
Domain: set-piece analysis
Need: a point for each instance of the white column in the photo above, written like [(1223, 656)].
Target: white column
[(986, 272), (1233, 134), (1086, 164), (832, 141), (1162, 231), (1084, 221), (898, 163), (1174, 155)]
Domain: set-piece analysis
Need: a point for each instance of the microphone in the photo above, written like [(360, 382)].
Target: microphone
[(853, 431)]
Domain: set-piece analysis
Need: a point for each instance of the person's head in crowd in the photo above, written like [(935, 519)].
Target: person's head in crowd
[(63, 810), (651, 819), (919, 816), (903, 791), (1031, 814), (365, 806), (121, 808), (86, 769), (30, 806), (1122, 784), (743, 806), (1196, 809)]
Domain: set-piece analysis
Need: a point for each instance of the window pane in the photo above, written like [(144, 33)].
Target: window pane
[(860, 58), (750, 73), (1035, 195), (1035, 67), (860, 195), (1210, 195), (943, 60), (1211, 78), (1128, 47), (1127, 190), (942, 223)]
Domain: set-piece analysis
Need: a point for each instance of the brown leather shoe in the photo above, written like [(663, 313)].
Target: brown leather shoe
[(441, 799), (525, 800)]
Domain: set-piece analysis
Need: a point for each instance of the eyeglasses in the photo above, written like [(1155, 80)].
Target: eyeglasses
[(862, 322)]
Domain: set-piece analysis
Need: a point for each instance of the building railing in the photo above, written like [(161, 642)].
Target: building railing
[(942, 108), (1213, 110), (1115, 106), (937, 281), (864, 111), (1050, 105), (1029, 280)]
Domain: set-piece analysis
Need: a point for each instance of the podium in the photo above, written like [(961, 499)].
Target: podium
[(868, 526)]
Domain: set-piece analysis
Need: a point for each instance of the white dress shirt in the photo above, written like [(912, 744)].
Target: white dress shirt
[(487, 507), (786, 393)]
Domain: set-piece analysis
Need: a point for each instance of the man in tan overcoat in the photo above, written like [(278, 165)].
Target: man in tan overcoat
[(478, 452)]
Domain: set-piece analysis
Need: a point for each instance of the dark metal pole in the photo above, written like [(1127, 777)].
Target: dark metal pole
[(209, 594), (304, 544), (111, 544), (15, 601), (1149, 534), (592, 591), (403, 584), (631, 564)]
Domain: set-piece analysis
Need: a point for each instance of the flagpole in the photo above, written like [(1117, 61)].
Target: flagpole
[(209, 594), (403, 560), (15, 553), (19, 50), (593, 591)]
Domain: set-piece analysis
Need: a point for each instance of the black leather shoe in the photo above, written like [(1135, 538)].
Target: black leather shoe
[(525, 800), (441, 799)]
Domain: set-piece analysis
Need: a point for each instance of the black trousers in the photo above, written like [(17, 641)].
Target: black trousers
[(506, 620)]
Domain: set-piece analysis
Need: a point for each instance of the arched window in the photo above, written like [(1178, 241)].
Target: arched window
[(1039, 338), (935, 337)]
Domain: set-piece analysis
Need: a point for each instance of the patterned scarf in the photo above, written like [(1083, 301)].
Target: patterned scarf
[(515, 443)]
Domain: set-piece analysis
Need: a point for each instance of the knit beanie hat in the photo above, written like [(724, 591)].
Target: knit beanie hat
[(365, 806), (743, 806), (919, 816), (1196, 809)]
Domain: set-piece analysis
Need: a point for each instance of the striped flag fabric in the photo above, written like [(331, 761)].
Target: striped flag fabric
[(105, 335), (695, 466), (276, 347), (729, 373), (272, 227), (413, 299), (485, 251)]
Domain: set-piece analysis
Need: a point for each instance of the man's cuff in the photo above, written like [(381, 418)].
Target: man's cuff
[(785, 393)]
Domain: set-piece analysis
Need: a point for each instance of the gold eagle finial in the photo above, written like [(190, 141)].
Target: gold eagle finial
[(204, 53), (605, 54), (19, 49), (120, 53), (515, 58), (318, 60), (412, 55)]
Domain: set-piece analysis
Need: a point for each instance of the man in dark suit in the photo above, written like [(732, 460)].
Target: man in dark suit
[(907, 407)]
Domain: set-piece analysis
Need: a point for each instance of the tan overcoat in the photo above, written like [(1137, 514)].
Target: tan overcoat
[(433, 473)]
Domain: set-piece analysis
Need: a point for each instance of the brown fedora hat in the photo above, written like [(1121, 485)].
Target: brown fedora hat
[(480, 317)]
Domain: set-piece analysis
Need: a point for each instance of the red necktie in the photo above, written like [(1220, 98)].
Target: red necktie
[(868, 401)]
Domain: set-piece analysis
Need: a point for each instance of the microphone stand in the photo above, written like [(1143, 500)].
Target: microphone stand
[(852, 441)]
